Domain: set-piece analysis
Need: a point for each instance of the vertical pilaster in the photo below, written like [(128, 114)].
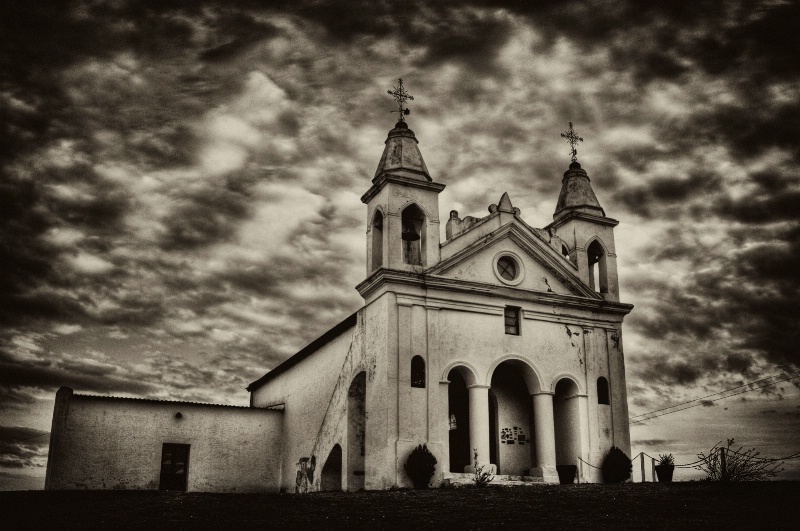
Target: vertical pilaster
[(583, 416), (435, 415)]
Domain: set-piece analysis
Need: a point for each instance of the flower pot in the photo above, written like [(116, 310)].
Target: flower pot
[(664, 473), (566, 474)]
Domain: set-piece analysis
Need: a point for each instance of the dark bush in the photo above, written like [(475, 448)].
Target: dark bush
[(420, 466), (617, 466)]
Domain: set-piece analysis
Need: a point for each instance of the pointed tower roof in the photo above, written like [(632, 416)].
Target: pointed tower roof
[(577, 194), (401, 156)]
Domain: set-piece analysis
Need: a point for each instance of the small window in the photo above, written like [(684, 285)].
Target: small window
[(512, 320), (507, 267), (602, 391), (417, 372)]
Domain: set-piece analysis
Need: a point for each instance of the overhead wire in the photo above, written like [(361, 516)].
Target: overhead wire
[(714, 394), (713, 400)]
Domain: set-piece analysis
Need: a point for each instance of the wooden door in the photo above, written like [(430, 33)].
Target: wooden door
[(174, 466)]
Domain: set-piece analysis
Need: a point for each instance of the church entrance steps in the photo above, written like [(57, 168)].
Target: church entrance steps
[(503, 480)]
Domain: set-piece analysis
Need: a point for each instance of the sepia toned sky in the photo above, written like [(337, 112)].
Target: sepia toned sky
[(180, 184)]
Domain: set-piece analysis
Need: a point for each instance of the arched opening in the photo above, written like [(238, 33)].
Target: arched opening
[(377, 241), (602, 391), (598, 277), (494, 432), (513, 426), (417, 372), (412, 221), (332, 471), (458, 412), (566, 421), (564, 251), (356, 431)]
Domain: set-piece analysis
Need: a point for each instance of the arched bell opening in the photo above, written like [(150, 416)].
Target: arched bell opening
[(566, 421), (598, 274), (356, 432), (412, 221), (376, 259)]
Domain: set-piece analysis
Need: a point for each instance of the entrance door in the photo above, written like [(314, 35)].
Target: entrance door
[(174, 464), (458, 401)]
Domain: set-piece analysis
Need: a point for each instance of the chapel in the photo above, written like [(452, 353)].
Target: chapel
[(498, 346)]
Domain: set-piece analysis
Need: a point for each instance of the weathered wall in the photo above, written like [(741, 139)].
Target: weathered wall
[(307, 390), (114, 443), (557, 344), (481, 268)]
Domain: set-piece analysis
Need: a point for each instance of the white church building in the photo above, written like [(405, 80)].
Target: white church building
[(503, 341)]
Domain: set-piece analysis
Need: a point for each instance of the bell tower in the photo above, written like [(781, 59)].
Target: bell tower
[(402, 203), (580, 221)]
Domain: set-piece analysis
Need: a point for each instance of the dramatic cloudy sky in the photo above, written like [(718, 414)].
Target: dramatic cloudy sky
[(180, 183)]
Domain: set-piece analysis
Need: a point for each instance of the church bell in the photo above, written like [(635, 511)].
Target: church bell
[(409, 234)]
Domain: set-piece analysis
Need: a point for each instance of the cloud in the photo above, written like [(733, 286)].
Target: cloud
[(22, 447), (179, 208)]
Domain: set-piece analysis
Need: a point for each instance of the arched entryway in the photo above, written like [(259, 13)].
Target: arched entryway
[(332, 471), (512, 429), (356, 431), (458, 417), (566, 421)]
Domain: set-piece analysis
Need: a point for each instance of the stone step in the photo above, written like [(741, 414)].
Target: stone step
[(459, 479)]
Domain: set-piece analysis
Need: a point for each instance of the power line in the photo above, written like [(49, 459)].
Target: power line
[(715, 399), (35, 437), (713, 394)]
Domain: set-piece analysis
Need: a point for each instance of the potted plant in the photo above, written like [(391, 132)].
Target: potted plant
[(566, 474), (665, 468)]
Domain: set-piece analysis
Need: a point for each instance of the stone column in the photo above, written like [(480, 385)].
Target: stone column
[(479, 425), (585, 445), (545, 438)]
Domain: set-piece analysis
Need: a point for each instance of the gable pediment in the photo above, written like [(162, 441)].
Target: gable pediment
[(542, 268)]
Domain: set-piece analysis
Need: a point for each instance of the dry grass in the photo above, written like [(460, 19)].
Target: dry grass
[(697, 505)]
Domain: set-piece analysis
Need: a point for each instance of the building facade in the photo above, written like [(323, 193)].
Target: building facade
[(502, 341), (500, 345)]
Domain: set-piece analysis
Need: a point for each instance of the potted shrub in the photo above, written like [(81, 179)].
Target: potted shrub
[(421, 466), (617, 466), (566, 474), (665, 468)]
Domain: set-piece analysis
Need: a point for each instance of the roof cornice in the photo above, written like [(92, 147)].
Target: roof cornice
[(427, 280), (600, 220), (386, 178)]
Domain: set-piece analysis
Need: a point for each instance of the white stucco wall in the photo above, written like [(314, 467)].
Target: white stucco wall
[(306, 390), (114, 443), (481, 268)]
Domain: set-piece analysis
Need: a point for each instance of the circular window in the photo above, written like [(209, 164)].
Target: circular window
[(508, 268)]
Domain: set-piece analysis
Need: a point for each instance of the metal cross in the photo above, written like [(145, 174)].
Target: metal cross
[(401, 97), (573, 140)]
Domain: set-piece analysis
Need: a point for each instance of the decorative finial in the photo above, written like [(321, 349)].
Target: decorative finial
[(573, 140), (401, 97)]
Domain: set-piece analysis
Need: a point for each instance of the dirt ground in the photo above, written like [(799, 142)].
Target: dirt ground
[(691, 505)]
